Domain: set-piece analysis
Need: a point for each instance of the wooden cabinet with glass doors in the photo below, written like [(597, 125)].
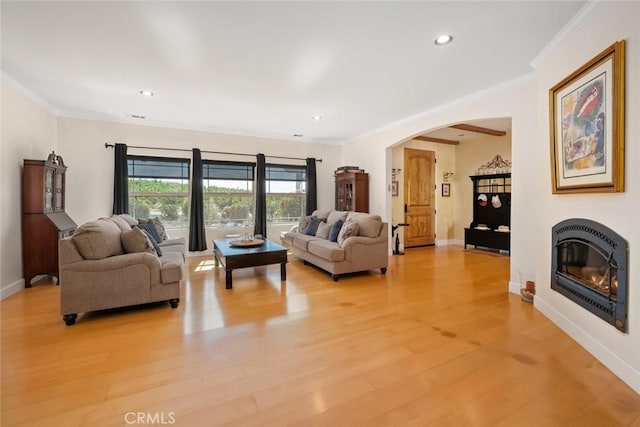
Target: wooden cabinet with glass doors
[(44, 220), (352, 191)]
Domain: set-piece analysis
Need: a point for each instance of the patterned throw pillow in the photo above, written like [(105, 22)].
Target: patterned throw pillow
[(135, 240), (303, 223), (349, 228), (160, 228), (151, 228), (335, 230), (313, 226), (153, 242)]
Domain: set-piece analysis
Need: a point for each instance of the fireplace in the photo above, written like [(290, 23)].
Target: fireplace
[(589, 266)]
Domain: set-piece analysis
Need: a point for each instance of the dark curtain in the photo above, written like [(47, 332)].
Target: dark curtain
[(197, 237), (120, 181), (312, 192), (261, 197)]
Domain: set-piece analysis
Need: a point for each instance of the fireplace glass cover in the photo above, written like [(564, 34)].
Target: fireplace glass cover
[(589, 265)]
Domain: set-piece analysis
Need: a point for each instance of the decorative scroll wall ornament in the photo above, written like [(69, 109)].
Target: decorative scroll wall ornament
[(497, 165)]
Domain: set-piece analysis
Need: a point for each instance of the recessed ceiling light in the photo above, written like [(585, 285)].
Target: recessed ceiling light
[(146, 93), (297, 135), (316, 118), (137, 116), (443, 39)]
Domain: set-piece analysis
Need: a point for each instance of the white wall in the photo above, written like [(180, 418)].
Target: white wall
[(515, 99), (620, 352), (90, 173), (28, 132)]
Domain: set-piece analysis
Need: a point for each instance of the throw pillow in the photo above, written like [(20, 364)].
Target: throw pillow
[(303, 223), (349, 228), (335, 230), (98, 239), (313, 226), (160, 228), (323, 230), (151, 228), (135, 240), (153, 242)]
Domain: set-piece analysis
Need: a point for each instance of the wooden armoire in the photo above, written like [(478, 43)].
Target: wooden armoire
[(44, 220)]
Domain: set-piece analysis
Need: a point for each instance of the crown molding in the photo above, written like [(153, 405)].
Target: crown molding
[(588, 10), (28, 93)]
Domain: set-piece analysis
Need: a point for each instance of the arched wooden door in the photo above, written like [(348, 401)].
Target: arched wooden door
[(419, 197)]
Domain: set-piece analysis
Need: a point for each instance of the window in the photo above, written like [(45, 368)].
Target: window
[(228, 190), (286, 187), (159, 187)]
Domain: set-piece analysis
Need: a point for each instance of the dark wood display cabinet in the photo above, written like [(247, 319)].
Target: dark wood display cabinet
[(44, 220), (491, 225), (352, 191)]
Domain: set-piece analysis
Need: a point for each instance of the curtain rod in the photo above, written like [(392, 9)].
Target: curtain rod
[(107, 145)]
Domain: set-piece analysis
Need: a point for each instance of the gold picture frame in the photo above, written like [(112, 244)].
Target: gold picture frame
[(586, 117)]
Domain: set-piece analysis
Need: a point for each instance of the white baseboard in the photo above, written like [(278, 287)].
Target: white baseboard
[(12, 289), (514, 288), (622, 369), (449, 242)]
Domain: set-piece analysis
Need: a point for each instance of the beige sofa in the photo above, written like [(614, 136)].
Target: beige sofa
[(96, 273), (367, 250)]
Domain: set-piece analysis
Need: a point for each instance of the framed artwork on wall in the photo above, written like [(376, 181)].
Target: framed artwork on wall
[(446, 190), (394, 188), (586, 116)]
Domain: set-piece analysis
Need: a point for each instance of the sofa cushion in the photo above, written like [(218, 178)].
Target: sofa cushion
[(323, 230), (150, 227), (325, 249), (98, 239), (173, 242), (349, 228), (335, 230), (321, 213), (313, 226), (136, 240), (122, 224), (162, 232), (368, 225), (301, 241), (335, 216), (130, 220)]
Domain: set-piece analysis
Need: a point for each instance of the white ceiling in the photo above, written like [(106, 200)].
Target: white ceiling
[(265, 68)]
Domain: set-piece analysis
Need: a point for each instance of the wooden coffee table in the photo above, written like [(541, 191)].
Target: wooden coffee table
[(232, 257)]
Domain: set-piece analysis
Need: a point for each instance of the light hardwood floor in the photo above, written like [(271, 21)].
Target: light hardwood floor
[(438, 340)]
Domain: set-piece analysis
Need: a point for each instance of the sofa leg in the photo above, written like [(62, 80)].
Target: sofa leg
[(70, 319), (174, 302), (334, 277), (305, 262), (383, 270)]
